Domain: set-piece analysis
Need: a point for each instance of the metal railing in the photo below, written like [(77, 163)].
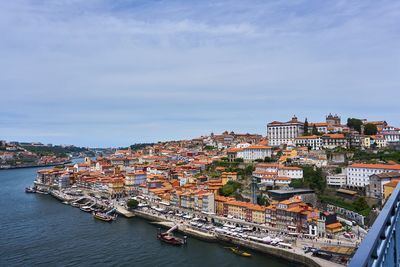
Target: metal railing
[(381, 246)]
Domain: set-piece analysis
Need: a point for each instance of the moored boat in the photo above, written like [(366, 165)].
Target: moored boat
[(239, 252), (30, 190), (104, 217), (170, 239), (86, 209)]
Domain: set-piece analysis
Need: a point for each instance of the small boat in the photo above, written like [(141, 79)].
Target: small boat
[(86, 209), (30, 190), (74, 204), (104, 217), (239, 252), (65, 202), (170, 239)]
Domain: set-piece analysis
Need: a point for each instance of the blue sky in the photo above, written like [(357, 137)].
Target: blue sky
[(113, 73)]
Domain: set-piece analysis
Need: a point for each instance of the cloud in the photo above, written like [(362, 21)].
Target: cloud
[(116, 72)]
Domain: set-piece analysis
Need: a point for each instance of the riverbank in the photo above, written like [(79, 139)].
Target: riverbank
[(35, 165), (296, 255)]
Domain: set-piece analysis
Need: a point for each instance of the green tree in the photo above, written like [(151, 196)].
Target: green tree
[(314, 130), (370, 129), (268, 159), (354, 124), (132, 203), (262, 200), (229, 189), (306, 127), (360, 204), (239, 160)]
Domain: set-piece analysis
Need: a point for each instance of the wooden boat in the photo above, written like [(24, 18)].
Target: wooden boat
[(170, 239), (103, 217), (239, 252)]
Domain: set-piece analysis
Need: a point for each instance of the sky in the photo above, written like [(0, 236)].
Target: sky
[(117, 72)]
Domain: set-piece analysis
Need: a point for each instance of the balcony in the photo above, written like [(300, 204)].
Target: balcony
[(381, 246)]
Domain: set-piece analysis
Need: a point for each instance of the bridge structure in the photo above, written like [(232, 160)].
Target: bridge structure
[(381, 246)]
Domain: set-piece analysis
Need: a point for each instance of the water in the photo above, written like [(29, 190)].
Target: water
[(38, 230)]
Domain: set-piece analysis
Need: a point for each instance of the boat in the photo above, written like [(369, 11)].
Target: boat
[(239, 252), (42, 192), (65, 202), (74, 204), (30, 190), (104, 217), (86, 209), (168, 238)]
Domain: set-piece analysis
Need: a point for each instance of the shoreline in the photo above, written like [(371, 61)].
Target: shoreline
[(36, 166), (294, 255), (284, 254)]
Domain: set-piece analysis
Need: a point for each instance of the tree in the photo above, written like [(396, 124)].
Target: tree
[(306, 127), (370, 129), (314, 130), (239, 160), (262, 200), (229, 189), (360, 204), (268, 159), (354, 124), (132, 203)]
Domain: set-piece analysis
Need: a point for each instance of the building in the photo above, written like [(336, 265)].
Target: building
[(312, 141), (253, 152), (245, 211), (291, 215), (268, 170), (283, 194), (358, 174), (388, 189), (134, 179), (377, 182), (228, 176), (284, 132), (337, 180), (391, 134), (331, 141), (219, 204)]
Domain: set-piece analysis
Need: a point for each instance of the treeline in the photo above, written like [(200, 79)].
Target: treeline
[(139, 146), (313, 178), (385, 155), (58, 151)]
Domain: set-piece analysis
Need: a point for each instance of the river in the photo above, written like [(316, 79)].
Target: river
[(38, 230)]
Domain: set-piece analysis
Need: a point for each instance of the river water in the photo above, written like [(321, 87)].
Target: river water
[(38, 230)]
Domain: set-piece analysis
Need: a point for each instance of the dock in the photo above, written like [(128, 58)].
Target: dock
[(124, 212)]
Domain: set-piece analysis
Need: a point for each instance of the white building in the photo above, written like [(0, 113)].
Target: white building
[(291, 172), (253, 152), (284, 132), (337, 180), (358, 173), (391, 134), (269, 170), (313, 141)]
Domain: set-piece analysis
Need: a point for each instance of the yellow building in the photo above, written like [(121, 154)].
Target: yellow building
[(245, 211), (228, 176), (388, 189)]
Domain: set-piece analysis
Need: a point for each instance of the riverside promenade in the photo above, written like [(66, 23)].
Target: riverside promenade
[(296, 254)]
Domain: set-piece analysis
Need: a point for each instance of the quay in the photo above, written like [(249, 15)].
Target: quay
[(124, 212), (296, 254)]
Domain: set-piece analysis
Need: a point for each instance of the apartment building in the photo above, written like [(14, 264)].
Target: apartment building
[(284, 132), (358, 174)]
